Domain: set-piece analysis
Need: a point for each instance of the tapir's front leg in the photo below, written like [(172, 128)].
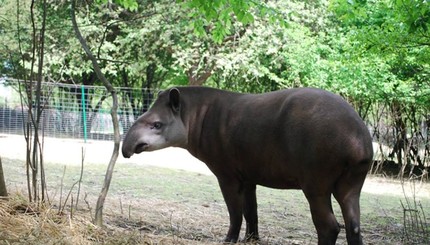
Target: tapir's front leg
[(250, 212), (232, 191)]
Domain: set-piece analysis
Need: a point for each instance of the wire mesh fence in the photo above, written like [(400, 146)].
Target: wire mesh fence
[(70, 110)]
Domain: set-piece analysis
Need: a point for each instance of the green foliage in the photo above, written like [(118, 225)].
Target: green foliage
[(390, 38), (131, 5), (10, 49), (269, 56), (218, 17), (396, 33), (376, 50)]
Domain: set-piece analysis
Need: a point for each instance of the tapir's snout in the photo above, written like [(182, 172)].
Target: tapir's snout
[(135, 147), (133, 144), (129, 145), (126, 152)]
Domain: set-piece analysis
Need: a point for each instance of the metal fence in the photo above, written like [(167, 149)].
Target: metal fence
[(70, 110)]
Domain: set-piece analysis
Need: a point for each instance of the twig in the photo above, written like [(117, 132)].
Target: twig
[(89, 207), (71, 208), (129, 212), (414, 220), (68, 195), (80, 177), (425, 225), (120, 205), (61, 189)]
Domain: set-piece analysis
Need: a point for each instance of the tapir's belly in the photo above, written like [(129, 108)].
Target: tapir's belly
[(279, 183), (273, 176)]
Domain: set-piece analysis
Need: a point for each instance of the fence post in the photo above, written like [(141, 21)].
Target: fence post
[(84, 112)]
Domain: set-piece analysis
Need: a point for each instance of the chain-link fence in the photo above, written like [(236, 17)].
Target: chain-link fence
[(70, 110)]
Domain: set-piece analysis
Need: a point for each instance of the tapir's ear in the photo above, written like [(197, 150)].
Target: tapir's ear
[(174, 99)]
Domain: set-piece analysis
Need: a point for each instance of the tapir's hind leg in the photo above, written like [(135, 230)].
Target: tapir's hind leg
[(347, 193), (351, 214), (323, 217)]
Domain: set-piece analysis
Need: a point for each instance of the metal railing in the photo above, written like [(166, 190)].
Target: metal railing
[(70, 110)]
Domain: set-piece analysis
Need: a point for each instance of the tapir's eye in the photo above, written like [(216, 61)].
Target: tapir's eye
[(156, 125)]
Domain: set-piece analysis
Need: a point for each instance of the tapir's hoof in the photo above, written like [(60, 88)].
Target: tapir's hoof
[(229, 240), (249, 239), (254, 239)]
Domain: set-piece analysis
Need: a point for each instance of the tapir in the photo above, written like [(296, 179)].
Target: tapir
[(301, 138)]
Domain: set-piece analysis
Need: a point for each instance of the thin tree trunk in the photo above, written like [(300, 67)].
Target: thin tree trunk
[(98, 220), (35, 153), (3, 191), (39, 107), (26, 123)]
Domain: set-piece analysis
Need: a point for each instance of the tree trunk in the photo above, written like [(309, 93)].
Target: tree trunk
[(34, 145), (3, 191), (401, 140), (197, 79), (98, 220)]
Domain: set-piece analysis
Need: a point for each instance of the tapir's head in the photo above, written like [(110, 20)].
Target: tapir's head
[(158, 128)]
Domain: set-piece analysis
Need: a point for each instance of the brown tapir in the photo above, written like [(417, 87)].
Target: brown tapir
[(303, 138)]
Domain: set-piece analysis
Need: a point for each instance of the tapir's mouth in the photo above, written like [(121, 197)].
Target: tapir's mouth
[(140, 148)]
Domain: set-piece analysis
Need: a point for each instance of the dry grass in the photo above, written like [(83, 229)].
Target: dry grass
[(161, 221), (25, 223), (137, 221)]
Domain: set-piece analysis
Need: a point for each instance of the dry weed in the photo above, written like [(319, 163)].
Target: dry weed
[(25, 223)]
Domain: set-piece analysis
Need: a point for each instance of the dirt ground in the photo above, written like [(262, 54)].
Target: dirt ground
[(69, 152)]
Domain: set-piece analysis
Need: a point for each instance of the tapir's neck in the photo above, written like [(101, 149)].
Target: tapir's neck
[(193, 123), (198, 105)]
